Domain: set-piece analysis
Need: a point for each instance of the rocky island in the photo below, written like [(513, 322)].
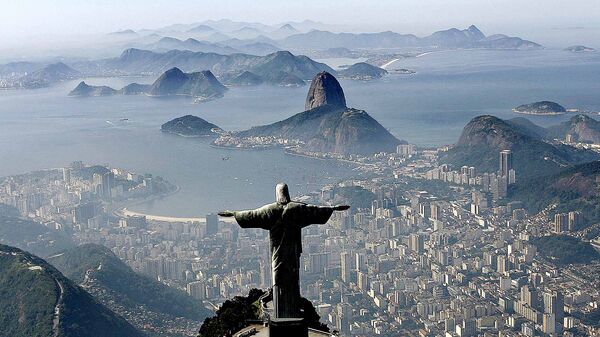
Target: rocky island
[(541, 108), (174, 82), (201, 86), (362, 71), (579, 49), (191, 126), (85, 90)]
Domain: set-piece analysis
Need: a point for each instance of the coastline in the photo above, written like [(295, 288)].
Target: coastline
[(347, 161), (213, 145), (188, 136), (164, 218), (539, 113)]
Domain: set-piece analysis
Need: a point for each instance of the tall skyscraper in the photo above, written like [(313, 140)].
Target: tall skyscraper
[(501, 264), (103, 184), (561, 222), (506, 162), (346, 266), (212, 224), (361, 261), (554, 304), (66, 175), (416, 243), (573, 220), (530, 296)]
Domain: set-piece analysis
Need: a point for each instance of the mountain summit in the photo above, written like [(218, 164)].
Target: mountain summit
[(485, 136), (328, 125), (175, 82), (325, 90)]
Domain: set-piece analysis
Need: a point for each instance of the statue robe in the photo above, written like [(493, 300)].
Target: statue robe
[(284, 223)]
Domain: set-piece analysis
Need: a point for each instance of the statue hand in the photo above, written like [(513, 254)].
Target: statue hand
[(227, 214), (340, 207)]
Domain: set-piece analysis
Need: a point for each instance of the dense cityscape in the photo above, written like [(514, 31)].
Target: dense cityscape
[(425, 247)]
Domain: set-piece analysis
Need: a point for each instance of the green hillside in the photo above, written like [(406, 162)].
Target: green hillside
[(36, 300), (130, 288)]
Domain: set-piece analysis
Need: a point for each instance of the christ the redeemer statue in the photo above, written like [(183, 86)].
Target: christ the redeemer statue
[(284, 220)]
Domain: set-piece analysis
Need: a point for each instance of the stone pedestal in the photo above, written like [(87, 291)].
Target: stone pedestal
[(287, 327)]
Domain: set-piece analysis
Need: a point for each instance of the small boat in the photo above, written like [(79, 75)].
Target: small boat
[(225, 158)]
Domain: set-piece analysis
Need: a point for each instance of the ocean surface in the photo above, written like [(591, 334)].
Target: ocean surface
[(44, 128)]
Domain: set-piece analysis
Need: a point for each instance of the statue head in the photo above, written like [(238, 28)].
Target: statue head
[(282, 194)]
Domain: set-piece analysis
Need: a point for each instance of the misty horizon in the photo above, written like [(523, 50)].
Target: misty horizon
[(28, 26)]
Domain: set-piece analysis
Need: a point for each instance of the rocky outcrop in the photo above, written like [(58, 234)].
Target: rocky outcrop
[(362, 71), (328, 125), (175, 82), (582, 128), (541, 108), (325, 90), (85, 90), (190, 126)]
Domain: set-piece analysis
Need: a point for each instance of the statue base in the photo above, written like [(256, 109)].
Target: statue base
[(287, 327)]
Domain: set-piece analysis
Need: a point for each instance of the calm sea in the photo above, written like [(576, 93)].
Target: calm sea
[(44, 128)]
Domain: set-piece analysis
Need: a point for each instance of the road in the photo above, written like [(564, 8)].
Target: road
[(56, 319)]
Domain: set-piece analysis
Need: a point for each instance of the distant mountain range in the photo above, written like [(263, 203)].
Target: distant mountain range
[(37, 300), (484, 136), (328, 125), (171, 43), (280, 68), (227, 51), (42, 77), (471, 37), (308, 35), (148, 303)]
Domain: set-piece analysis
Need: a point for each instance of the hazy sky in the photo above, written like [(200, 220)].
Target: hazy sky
[(533, 19)]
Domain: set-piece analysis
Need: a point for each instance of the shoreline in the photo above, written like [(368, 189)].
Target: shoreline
[(124, 212), (539, 113), (224, 147), (291, 153)]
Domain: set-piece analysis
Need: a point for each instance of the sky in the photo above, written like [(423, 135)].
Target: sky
[(542, 20)]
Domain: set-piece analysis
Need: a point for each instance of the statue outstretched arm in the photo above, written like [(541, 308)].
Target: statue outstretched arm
[(313, 214), (341, 207), (257, 218)]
